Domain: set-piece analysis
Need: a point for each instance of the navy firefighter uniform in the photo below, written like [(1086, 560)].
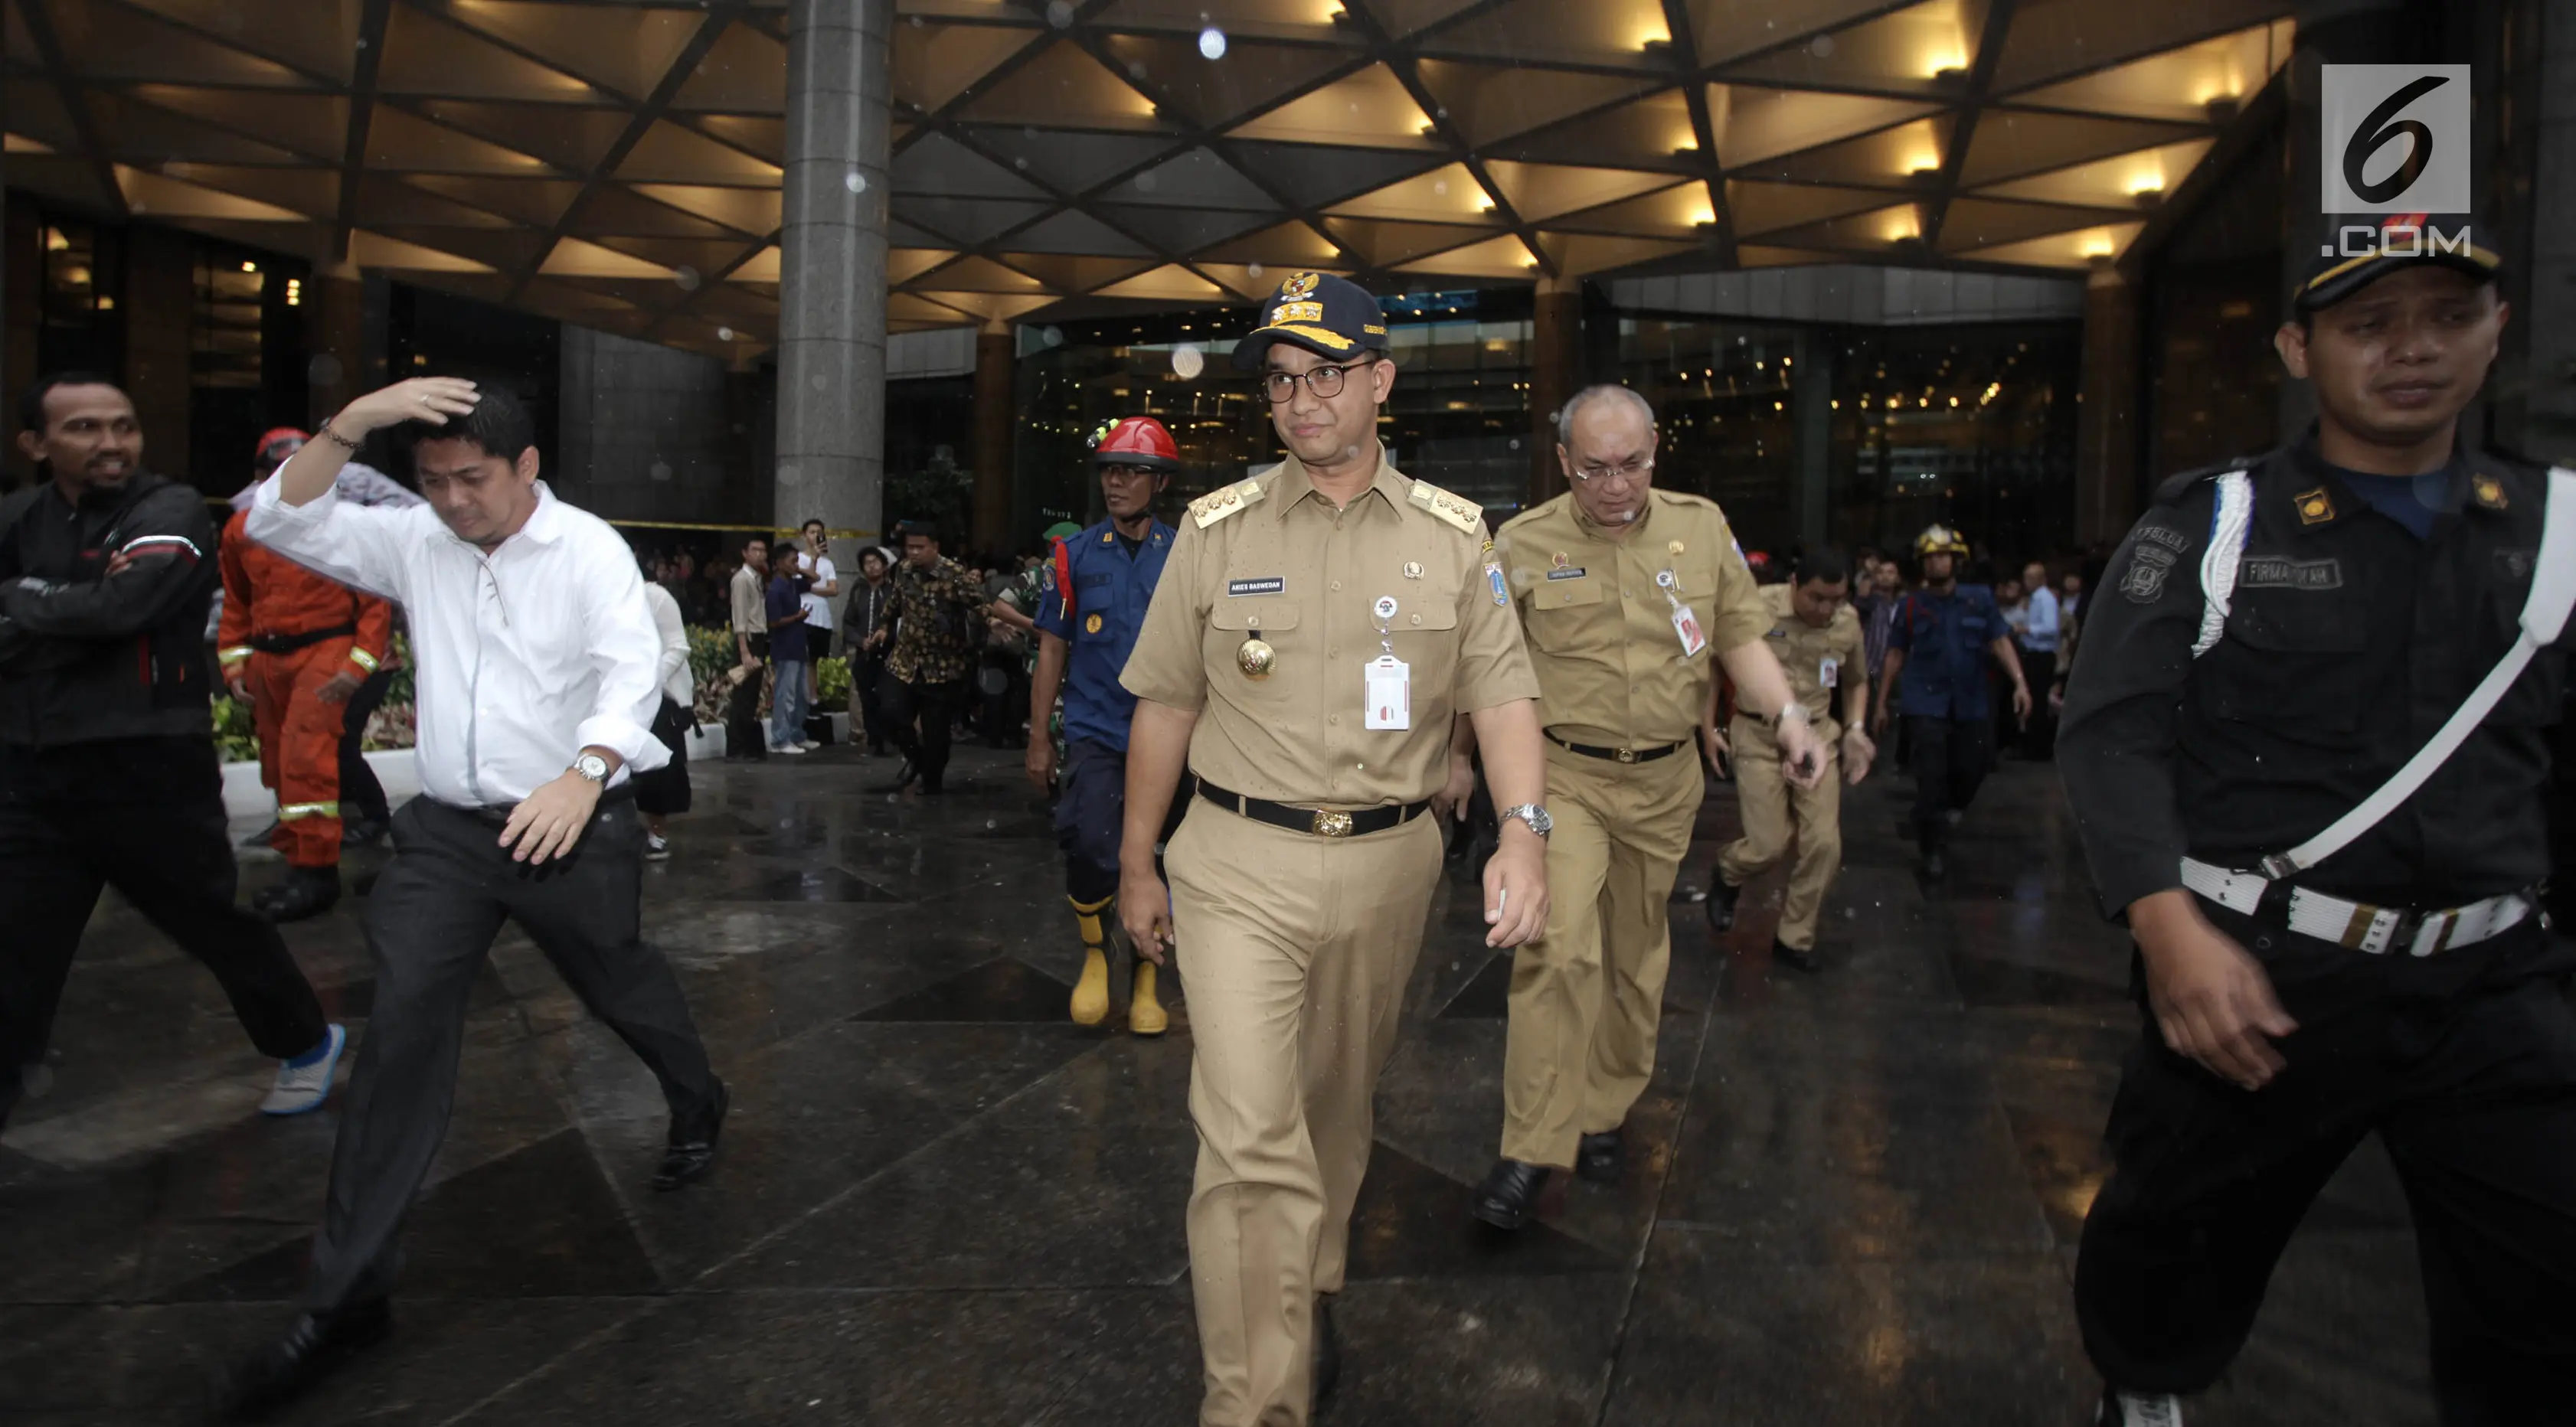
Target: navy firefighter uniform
[(1943, 635), (1095, 598)]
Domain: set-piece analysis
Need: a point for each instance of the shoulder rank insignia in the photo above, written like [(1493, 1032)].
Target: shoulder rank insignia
[(1458, 511), (2316, 507), (1216, 505)]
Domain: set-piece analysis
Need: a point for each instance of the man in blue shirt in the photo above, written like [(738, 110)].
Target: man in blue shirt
[(1936, 663), (786, 606), (1100, 582)]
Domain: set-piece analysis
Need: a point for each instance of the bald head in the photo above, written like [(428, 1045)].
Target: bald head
[(1607, 446)]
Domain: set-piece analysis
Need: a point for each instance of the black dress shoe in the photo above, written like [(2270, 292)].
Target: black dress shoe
[(315, 1345), (903, 778), (1792, 957), (1721, 903), (687, 1160), (1596, 1157), (365, 832), (1328, 1352), (1509, 1195), (306, 892)]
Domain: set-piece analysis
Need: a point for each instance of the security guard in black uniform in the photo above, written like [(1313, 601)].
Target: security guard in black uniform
[(2222, 714)]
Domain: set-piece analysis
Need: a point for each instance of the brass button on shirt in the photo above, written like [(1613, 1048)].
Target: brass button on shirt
[(1806, 653), (1271, 559), (1610, 665)]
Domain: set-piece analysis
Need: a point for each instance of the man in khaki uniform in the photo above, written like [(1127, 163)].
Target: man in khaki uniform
[(1818, 640), (1316, 631), (1632, 598)]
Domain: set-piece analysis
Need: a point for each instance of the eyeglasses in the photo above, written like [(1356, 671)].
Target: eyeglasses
[(1628, 472), (1324, 382)]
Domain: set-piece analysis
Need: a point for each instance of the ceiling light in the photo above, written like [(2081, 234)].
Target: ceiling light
[(250, 267)]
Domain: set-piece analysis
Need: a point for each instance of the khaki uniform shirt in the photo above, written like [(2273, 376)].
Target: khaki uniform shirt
[(1820, 664), (1271, 559), (1610, 665), (750, 605)]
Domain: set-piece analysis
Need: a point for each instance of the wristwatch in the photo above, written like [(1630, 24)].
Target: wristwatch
[(591, 766), (1536, 816)]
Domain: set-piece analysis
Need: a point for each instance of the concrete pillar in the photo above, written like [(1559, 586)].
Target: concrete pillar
[(159, 299), (997, 421), (338, 364), (832, 268), (2543, 419), (1811, 394), (1555, 359), (2107, 497)]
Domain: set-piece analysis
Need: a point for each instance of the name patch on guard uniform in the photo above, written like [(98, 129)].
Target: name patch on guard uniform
[(2279, 572), (1266, 585), (1574, 574)]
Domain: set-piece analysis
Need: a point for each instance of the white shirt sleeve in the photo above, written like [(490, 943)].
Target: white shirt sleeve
[(674, 634), (356, 545), (626, 649)]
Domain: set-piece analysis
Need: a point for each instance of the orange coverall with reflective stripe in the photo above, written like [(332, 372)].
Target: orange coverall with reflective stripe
[(269, 596)]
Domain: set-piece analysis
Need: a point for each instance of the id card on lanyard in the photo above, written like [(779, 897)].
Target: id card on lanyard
[(1685, 622)]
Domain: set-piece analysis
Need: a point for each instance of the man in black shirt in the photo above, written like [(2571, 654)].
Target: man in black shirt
[(2301, 997), (107, 760)]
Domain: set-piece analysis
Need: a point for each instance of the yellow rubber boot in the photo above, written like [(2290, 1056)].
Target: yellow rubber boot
[(1145, 1015), (1091, 993)]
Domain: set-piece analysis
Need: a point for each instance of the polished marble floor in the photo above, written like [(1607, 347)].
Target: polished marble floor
[(1853, 1197)]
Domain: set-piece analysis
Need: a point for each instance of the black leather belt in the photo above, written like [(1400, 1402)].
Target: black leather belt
[(1620, 755), (289, 643), (1316, 822)]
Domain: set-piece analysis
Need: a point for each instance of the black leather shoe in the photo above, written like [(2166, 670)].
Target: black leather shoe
[(1596, 1157), (365, 832), (686, 1161), (306, 892), (1328, 1352), (1795, 959), (314, 1346), (903, 778), (1509, 1195), (1721, 903)]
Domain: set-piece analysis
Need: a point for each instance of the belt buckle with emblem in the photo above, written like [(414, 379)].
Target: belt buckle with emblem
[(1331, 824), (1623, 755)]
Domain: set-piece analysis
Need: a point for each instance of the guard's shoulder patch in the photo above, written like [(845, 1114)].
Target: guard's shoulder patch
[(1216, 505), (1455, 510), (2177, 489)]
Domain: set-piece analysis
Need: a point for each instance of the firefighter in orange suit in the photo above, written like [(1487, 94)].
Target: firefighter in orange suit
[(294, 647)]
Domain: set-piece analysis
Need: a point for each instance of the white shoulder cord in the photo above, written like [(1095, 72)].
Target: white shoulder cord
[(2229, 521)]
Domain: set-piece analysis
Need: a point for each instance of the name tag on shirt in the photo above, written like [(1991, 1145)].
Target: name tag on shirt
[(1389, 685), (1829, 672), (1263, 585), (1686, 624)]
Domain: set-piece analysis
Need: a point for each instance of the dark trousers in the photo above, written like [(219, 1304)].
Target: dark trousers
[(360, 793), (2464, 1064), (1951, 758), (145, 816), (933, 707), (744, 737), (867, 674), (665, 790), (430, 924)]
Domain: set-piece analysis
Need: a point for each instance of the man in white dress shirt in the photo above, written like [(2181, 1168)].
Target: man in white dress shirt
[(537, 677)]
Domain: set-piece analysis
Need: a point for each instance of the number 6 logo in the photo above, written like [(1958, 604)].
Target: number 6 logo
[(2419, 115)]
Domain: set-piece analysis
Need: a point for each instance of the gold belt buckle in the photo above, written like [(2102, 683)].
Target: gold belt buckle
[(1331, 824), (1624, 755)]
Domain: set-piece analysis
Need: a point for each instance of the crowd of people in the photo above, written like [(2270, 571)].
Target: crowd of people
[(1255, 721)]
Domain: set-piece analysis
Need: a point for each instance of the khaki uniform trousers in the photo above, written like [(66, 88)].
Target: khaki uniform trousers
[(1587, 997), (1299, 948), (1771, 808)]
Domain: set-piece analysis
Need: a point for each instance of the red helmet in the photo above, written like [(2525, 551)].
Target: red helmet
[(268, 451), (1135, 441)]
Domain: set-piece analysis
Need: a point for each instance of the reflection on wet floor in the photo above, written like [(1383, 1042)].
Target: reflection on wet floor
[(1851, 1198)]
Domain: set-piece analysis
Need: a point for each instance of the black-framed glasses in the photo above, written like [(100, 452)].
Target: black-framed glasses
[(1324, 382)]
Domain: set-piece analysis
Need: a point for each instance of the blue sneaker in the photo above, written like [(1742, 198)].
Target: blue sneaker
[(302, 1089)]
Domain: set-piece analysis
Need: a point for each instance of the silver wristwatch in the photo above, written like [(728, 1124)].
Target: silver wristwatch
[(1536, 816), (591, 766)]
